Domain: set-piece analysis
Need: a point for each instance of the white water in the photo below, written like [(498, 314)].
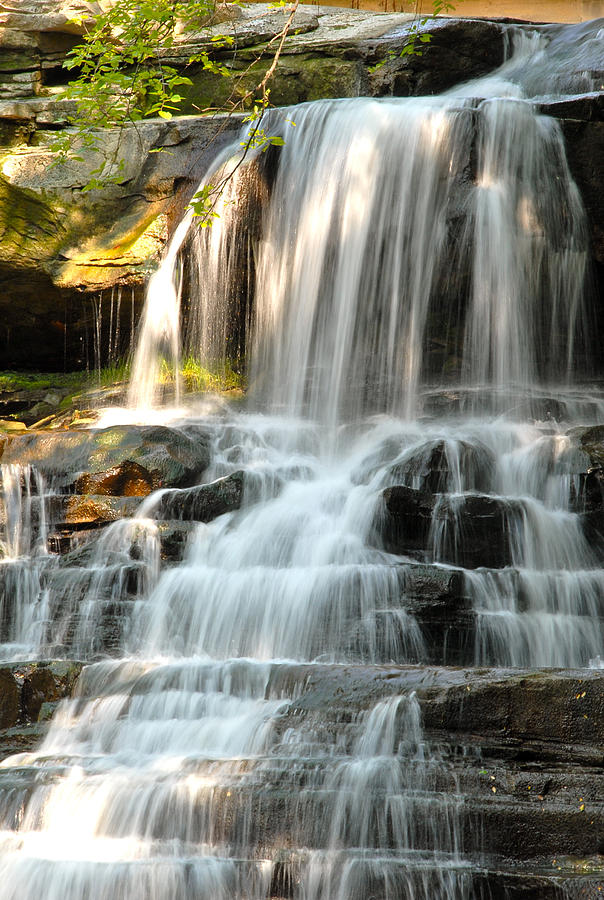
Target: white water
[(391, 224), (24, 560), (172, 774)]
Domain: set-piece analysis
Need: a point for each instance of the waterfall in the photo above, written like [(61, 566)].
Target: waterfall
[(407, 283), (391, 226), (24, 560)]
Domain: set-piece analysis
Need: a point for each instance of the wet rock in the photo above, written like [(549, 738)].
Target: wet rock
[(468, 530), (9, 699), (403, 522), (523, 749), (129, 479), (173, 538), (203, 503), (387, 451), (441, 466), (540, 409), (431, 584), (564, 707), (437, 600), (592, 523), (77, 511), (174, 458), (39, 687), (43, 684), (585, 151), (587, 487), (591, 489), (459, 50), (474, 530), (170, 456), (590, 442), (584, 107)]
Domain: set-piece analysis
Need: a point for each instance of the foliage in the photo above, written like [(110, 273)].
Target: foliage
[(121, 73)]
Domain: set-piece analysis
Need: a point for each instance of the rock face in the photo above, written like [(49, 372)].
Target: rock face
[(514, 734), (73, 263), (128, 479), (29, 694)]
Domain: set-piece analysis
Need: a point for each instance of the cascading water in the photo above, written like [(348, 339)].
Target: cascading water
[(23, 560), (197, 766)]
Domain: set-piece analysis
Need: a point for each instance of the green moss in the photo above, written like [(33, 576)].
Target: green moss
[(218, 377), (40, 381)]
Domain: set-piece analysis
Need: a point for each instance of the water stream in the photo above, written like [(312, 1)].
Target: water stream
[(419, 320)]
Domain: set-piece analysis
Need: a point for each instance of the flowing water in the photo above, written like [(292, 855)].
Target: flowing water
[(401, 245)]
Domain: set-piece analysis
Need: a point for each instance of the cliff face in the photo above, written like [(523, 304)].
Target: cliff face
[(70, 259)]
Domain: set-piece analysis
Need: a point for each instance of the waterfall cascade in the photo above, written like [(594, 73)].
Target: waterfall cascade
[(402, 243)]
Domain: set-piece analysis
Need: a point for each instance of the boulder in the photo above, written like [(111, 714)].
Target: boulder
[(169, 456), (433, 468), (203, 503), (468, 530)]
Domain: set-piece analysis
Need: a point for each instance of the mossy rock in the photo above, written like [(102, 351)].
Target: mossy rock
[(30, 228), (173, 458), (298, 78)]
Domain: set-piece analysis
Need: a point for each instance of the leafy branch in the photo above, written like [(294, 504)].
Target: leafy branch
[(121, 74)]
